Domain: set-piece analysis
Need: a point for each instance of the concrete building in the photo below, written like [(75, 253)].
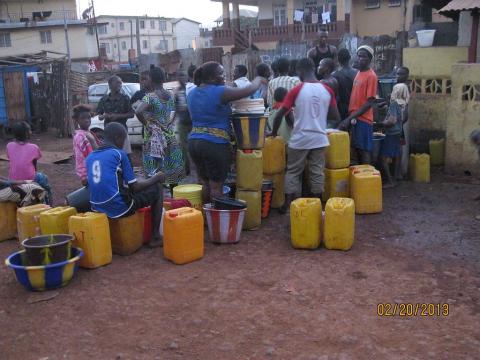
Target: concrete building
[(294, 20), (31, 26), (156, 35)]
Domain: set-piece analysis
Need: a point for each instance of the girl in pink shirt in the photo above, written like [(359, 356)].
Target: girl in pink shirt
[(84, 142), (23, 157)]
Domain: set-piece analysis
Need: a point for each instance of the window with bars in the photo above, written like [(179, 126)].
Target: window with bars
[(105, 46), (162, 25), (102, 29), (124, 45), (279, 16), (163, 45), (372, 4), (122, 26), (145, 44), (393, 3), (142, 24), (5, 40), (46, 37), (152, 24)]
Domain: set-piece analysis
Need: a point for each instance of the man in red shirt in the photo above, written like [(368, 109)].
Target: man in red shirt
[(362, 100), (313, 102)]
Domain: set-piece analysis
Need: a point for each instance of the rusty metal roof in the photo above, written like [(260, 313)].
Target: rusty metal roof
[(460, 5)]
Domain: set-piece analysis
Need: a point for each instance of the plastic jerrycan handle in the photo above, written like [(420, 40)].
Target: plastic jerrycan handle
[(178, 212)]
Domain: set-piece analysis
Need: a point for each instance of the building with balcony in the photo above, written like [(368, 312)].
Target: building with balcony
[(156, 35), (280, 20), (32, 26), (295, 20)]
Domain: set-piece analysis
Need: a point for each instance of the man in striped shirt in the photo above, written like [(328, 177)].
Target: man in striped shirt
[(283, 80)]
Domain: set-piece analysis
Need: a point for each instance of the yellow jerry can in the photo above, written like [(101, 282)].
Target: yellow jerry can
[(8, 220), (28, 220), (127, 234), (55, 221), (367, 192), (183, 231), (356, 169), (253, 216), (437, 151), (249, 169), (420, 167), (274, 157), (92, 235), (337, 155), (339, 227), (306, 223), (191, 192), (337, 183), (278, 196)]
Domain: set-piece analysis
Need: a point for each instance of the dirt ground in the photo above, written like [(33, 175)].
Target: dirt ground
[(261, 299)]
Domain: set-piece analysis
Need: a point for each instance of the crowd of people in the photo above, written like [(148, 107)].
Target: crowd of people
[(305, 98)]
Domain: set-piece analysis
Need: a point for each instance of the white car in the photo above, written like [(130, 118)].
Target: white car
[(134, 126)]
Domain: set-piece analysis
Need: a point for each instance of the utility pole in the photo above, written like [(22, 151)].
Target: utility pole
[(139, 48), (67, 42), (131, 34), (96, 28)]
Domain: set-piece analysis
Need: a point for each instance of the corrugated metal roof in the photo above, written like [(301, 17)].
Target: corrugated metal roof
[(460, 5)]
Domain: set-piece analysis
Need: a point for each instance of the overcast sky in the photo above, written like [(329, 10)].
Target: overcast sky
[(204, 11)]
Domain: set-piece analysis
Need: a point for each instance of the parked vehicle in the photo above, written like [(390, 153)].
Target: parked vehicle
[(134, 126)]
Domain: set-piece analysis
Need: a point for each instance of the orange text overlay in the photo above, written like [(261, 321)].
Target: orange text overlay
[(413, 309)]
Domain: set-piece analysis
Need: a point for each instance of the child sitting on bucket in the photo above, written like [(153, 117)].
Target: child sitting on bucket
[(23, 157), (84, 142), (114, 190)]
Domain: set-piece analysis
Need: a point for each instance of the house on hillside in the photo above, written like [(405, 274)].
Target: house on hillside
[(156, 35), (32, 26)]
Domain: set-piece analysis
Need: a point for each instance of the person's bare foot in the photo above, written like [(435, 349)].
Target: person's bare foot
[(155, 242), (389, 185)]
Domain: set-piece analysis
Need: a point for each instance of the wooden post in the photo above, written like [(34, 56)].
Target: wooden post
[(472, 51)]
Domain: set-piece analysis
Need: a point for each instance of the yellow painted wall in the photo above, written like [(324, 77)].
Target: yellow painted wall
[(384, 20), (82, 44), (433, 61), (462, 118)]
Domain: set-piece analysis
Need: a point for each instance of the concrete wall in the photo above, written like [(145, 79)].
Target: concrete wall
[(30, 6), (433, 61), (185, 33), (428, 108), (384, 20), (82, 43), (463, 117)]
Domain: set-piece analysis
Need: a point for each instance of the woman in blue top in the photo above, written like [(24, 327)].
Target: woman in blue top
[(209, 141)]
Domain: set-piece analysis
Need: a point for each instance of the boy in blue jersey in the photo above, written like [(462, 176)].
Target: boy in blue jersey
[(114, 190)]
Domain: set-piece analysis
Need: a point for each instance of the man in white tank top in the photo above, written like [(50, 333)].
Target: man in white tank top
[(313, 103)]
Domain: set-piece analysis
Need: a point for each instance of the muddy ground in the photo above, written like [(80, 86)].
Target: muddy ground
[(261, 299)]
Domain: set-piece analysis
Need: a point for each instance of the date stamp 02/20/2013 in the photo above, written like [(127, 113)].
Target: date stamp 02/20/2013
[(413, 309)]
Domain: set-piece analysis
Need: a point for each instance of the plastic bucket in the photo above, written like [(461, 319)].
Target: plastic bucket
[(267, 185), (266, 202), (224, 226), (191, 192), (80, 200), (425, 37), (226, 203), (249, 131), (47, 249)]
